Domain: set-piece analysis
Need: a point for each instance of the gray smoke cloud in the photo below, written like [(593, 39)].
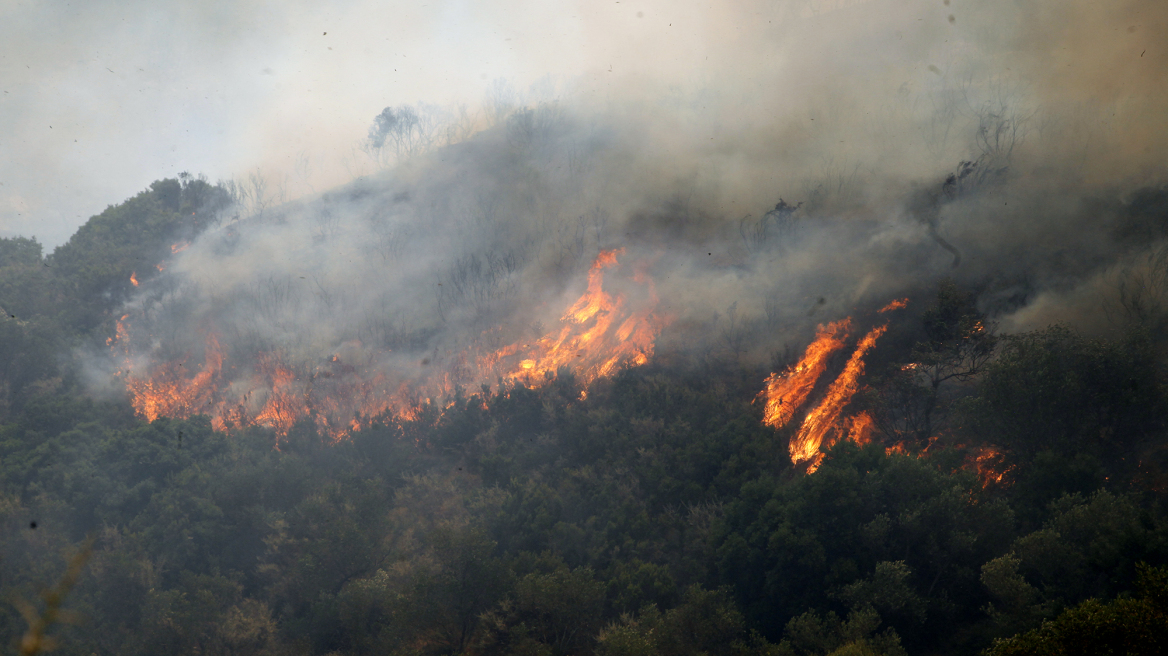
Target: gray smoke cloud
[(821, 160)]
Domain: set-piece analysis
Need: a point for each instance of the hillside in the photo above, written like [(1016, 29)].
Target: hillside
[(651, 509)]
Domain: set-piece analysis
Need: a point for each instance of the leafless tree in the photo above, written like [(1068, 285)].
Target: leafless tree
[(733, 333), (777, 225), (500, 101), (837, 181), (460, 127), (303, 169), (250, 195), (258, 197), (1002, 125), (401, 132), (599, 220), (1142, 291), (478, 282)]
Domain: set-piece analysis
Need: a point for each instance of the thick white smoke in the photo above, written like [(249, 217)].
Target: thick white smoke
[(834, 156)]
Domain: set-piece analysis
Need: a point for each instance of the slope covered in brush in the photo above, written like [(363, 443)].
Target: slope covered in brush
[(594, 454), (53, 303), (655, 514)]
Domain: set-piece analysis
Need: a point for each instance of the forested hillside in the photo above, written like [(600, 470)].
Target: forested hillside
[(54, 303), (1015, 482)]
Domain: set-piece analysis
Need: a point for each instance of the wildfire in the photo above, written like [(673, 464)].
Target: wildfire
[(134, 278), (989, 463), (170, 393), (898, 304), (600, 332), (785, 392), (860, 428), (179, 247), (817, 423)]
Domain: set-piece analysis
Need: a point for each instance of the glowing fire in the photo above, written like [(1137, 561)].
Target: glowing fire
[(785, 392), (598, 333), (169, 392), (898, 304), (860, 428), (134, 278), (179, 247), (823, 418), (990, 465)]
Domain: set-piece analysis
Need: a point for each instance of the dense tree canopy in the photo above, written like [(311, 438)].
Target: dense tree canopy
[(651, 513)]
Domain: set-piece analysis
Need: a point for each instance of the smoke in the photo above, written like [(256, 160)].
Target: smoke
[(821, 158)]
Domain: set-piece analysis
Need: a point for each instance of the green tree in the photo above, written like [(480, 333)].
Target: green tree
[(705, 622), (1087, 548), (813, 634), (555, 613), (1054, 390), (1137, 625), (957, 341), (838, 534), (92, 270)]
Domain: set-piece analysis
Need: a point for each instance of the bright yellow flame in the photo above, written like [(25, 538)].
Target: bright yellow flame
[(597, 335), (805, 446), (786, 392)]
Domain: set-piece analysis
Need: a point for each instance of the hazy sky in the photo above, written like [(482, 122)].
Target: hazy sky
[(100, 98)]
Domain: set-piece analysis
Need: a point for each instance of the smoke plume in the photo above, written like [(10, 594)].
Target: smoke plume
[(832, 156)]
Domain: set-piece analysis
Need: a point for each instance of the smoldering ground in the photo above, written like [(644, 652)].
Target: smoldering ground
[(817, 182)]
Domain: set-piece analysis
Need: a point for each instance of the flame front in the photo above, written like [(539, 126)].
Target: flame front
[(598, 334), (990, 465), (860, 428), (170, 393), (805, 446), (785, 393)]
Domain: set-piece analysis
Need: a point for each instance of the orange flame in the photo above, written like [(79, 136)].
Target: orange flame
[(599, 333), (785, 392), (134, 278), (169, 393), (179, 247), (287, 401), (860, 428), (898, 304), (989, 463), (805, 446)]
